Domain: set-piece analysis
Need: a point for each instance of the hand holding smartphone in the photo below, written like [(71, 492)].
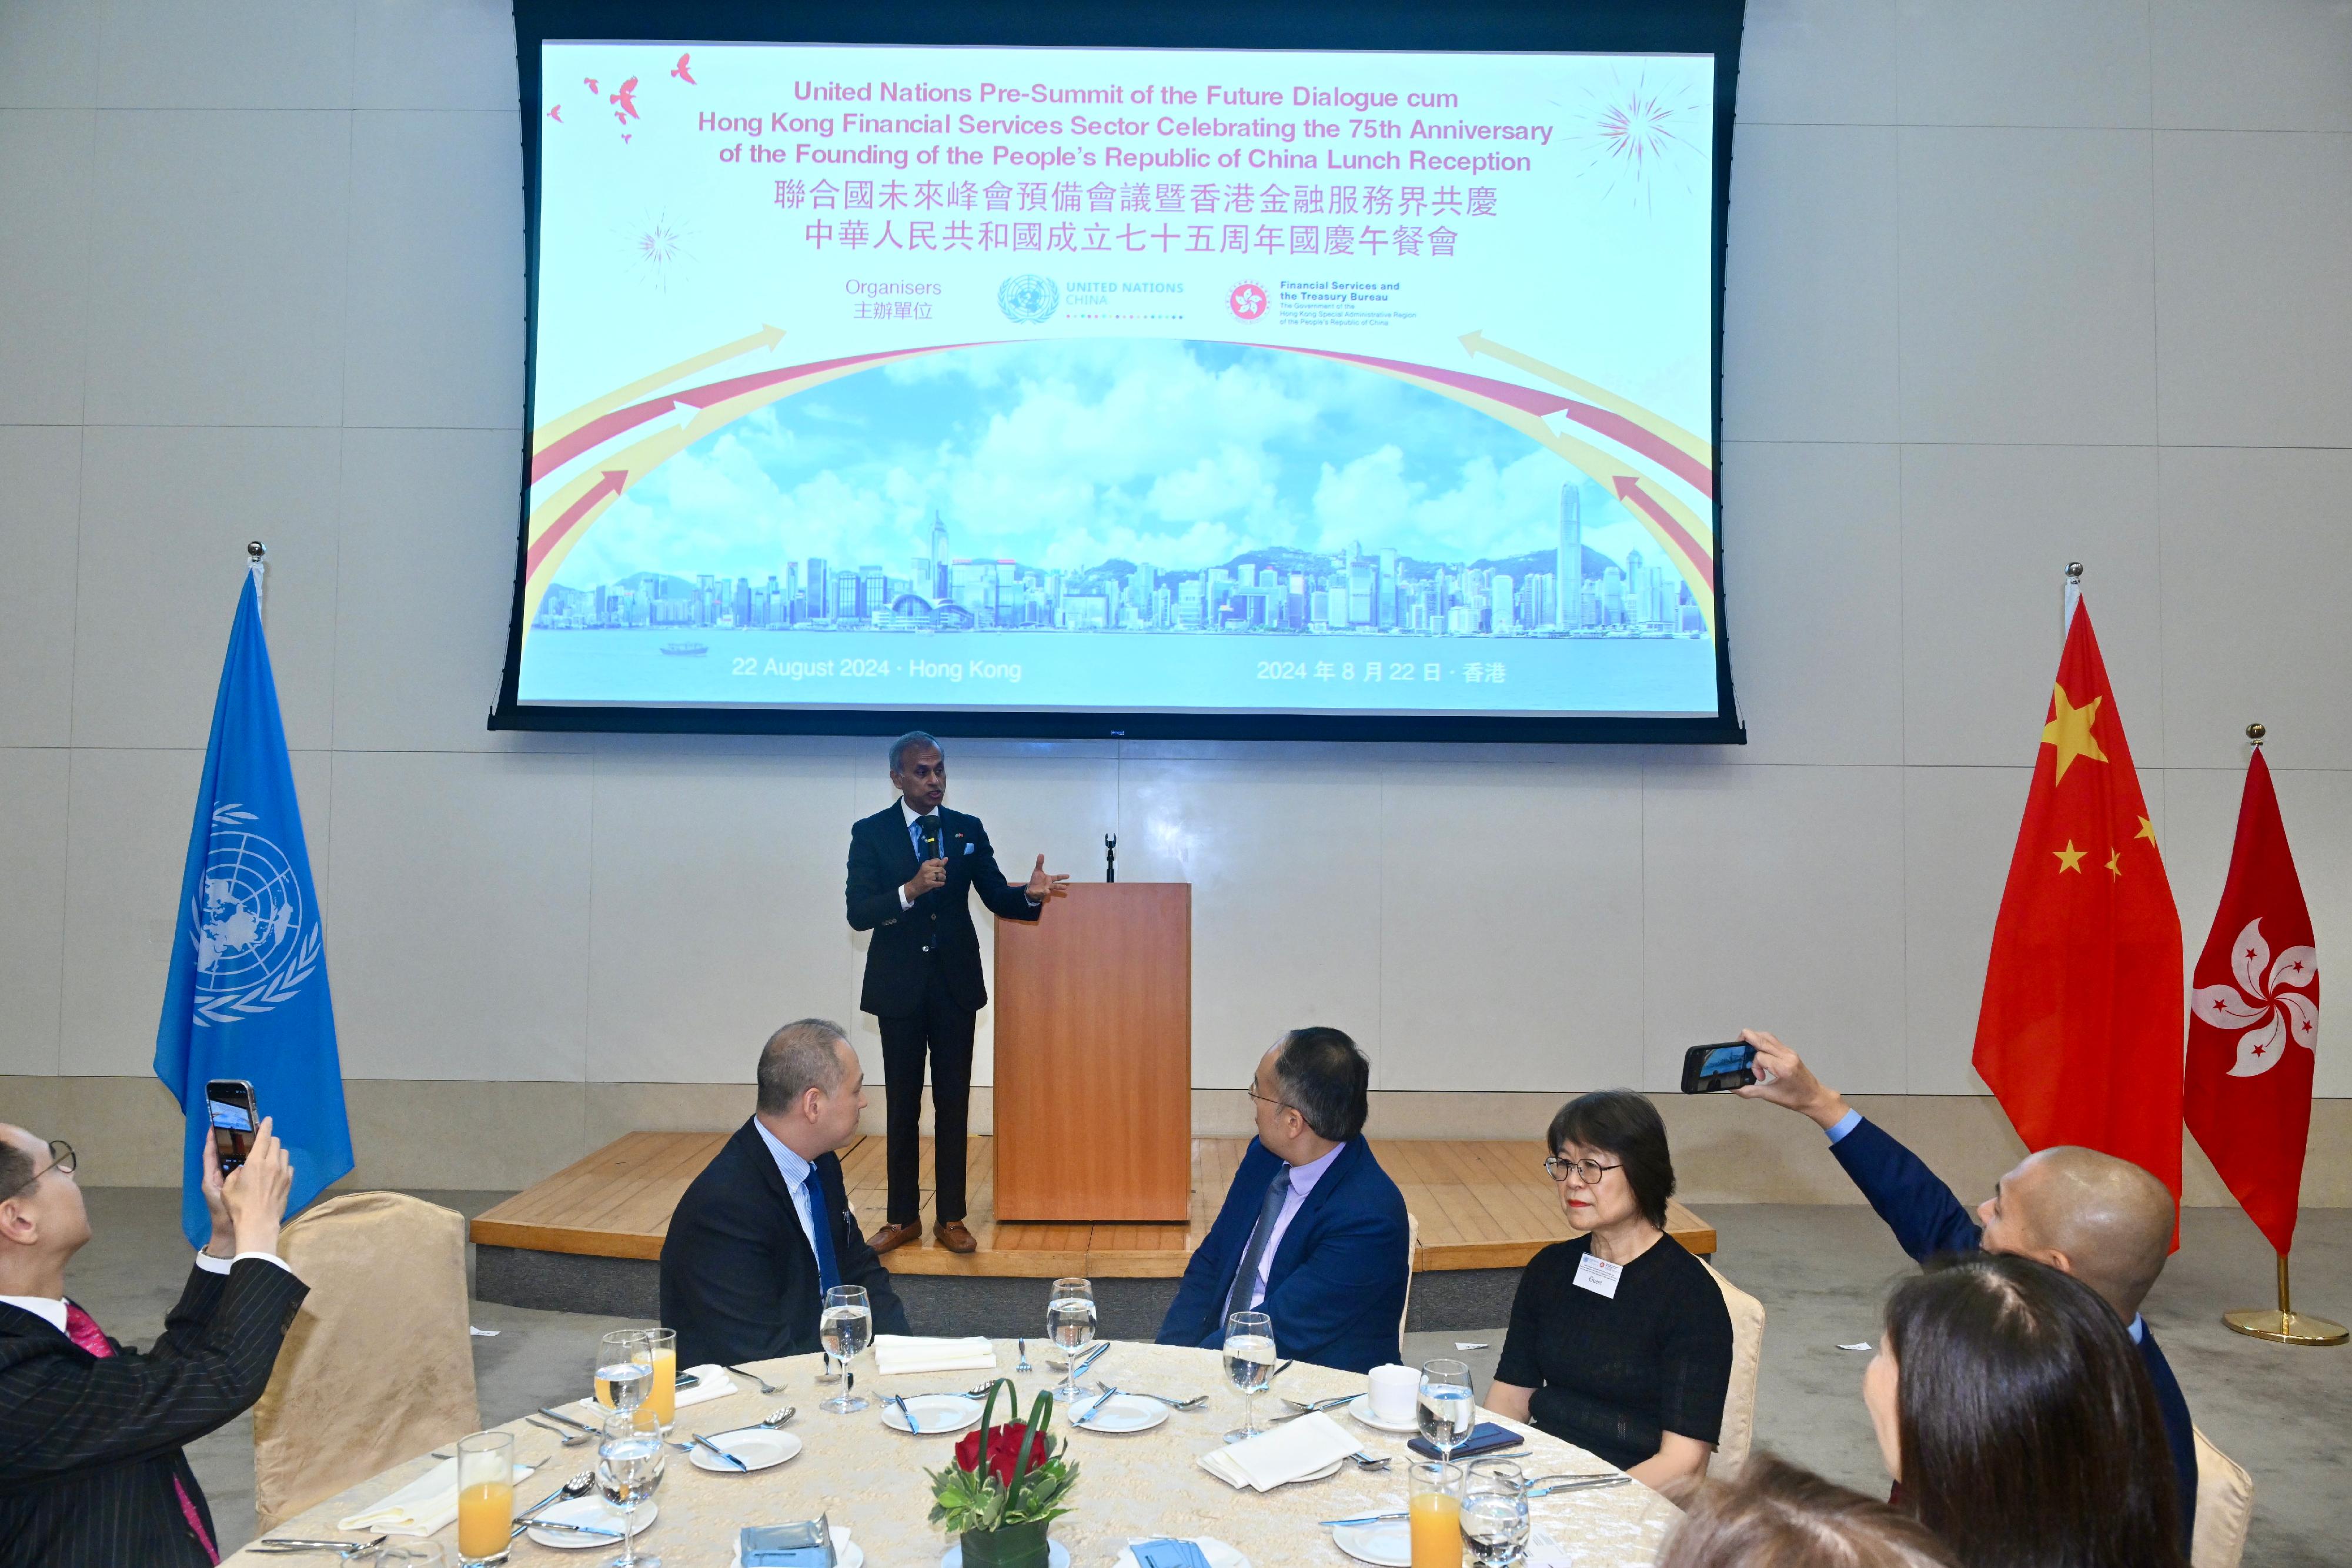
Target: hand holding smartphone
[(1716, 1068), (230, 1112)]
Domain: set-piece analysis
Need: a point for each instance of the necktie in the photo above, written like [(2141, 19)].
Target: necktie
[(83, 1330), (1237, 1297), (828, 1272)]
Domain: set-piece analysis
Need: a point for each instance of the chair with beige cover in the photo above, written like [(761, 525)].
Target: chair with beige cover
[(1739, 1399), (2225, 1506), (379, 1366)]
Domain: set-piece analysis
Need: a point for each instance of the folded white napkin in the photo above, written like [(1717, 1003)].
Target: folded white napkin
[(426, 1506), (1275, 1459), (715, 1384), (896, 1354)]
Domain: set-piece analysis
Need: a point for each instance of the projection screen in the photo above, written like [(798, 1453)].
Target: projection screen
[(1194, 386)]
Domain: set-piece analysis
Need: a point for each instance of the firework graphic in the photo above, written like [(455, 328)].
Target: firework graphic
[(1636, 135), (656, 250)]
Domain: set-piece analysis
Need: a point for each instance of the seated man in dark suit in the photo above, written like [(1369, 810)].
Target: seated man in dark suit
[(766, 1229), (1313, 1232), (90, 1431), (2102, 1219)]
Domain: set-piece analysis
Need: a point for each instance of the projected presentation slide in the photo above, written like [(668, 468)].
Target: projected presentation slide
[(1187, 381)]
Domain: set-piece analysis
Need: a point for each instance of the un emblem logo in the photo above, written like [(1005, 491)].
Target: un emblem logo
[(255, 943), (1028, 298)]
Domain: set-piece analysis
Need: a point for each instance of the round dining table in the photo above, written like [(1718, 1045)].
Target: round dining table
[(870, 1478)]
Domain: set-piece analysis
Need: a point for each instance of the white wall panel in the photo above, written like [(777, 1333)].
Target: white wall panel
[(2252, 65), (226, 54), (2028, 293), (166, 513), (2023, 62), (1959, 830), (1808, 332), (2256, 563), (1772, 898), (1510, 932), (44, 163), (48, 55), (40, 475), (460, 938), (435, 333), (434, 54), (1817, 62), (1987, 534), (2252, 234), (126, 846), (32, 916), (1813, 568), (217, 277)]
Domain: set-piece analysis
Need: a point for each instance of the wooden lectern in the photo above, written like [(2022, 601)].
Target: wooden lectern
[(1093, 1056)]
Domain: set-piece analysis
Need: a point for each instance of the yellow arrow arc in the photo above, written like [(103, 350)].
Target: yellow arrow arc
[(563, 424), (1656, 423)]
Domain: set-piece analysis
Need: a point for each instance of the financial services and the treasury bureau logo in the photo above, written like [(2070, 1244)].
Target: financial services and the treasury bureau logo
[(1028, 298), (255, 943)]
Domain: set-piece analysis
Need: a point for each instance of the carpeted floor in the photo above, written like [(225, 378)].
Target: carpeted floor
[(1819, 1272)]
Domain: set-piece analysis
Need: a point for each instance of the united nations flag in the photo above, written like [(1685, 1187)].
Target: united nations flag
[(246, 993)]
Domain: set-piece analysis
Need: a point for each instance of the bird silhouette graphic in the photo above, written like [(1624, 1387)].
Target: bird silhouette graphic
[(590, 83), (627, 98), (625, 136), (556, 114), (680, 71)]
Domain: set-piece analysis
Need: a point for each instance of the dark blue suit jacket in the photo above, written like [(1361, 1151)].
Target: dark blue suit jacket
[(1927, 1219), (1336, 1286)]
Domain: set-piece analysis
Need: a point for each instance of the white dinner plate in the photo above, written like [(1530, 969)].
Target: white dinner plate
[(936, 1415), (1219, 1554), (846, 1553), (758, 1450), (1360, 1408), (596, 1513), (1388, 1544), (1120, 1413), (1325, 1474), (1056, 1555)]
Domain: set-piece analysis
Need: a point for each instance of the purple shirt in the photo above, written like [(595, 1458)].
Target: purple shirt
[(1302, 1182)]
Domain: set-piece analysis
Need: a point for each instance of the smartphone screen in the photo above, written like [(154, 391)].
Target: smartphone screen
[(228, 1106), (1712, 1069)]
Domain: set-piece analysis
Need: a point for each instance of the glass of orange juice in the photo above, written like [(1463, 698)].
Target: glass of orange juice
[(485, 1496), (657, 1349), (1433, 1514)]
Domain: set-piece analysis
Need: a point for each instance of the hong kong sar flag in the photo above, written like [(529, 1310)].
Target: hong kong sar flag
[(2079, 1034), (2254, 1021)]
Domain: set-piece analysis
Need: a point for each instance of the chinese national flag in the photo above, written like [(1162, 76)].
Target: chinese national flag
[(2080, 1031), (2254, 1021)]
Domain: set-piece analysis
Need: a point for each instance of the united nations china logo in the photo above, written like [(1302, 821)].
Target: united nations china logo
[(255, 942), (1028, 298)]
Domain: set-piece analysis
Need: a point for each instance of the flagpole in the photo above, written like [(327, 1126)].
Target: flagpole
[(255, 562), (2074, 596), (2284, 1326)]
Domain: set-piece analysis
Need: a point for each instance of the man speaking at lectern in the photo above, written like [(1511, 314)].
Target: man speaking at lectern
[(910, 867)]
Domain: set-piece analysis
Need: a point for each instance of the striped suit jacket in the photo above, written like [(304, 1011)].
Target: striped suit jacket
[(89, 1447)]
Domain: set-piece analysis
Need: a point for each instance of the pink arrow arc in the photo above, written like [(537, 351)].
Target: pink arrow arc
[(609, 483), (1629, 490)]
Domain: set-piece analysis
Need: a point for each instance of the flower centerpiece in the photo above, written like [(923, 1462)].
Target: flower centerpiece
[(1005, 1484)]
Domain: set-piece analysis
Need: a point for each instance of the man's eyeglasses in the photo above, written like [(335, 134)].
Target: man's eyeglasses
[(1270, 1100), (61, 1159), (1588, 1172)]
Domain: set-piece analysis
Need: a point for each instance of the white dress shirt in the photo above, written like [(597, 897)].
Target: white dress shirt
[(795, 1171), (913, 817)]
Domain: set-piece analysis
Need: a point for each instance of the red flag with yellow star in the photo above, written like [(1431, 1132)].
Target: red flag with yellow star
[(2080, 1033)]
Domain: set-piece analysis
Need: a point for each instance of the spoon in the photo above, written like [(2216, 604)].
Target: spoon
[(769, 1424), (570, 1439), (765, 1386), (576, 1487)]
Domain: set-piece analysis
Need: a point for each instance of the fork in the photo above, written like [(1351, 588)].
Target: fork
[(1193, 1403), (570, 1439), (765, 1386), (1021, 1345)]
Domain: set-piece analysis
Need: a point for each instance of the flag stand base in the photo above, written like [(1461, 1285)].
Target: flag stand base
[(2284, 1326)]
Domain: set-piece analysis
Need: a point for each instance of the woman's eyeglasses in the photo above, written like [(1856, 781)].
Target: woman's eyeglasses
[(1587, 1172)]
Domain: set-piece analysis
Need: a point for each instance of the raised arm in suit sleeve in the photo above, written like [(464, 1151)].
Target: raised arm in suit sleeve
[(872, 893), (1004, 901), (1354, 1260), (1912, 1200), (63, 1412)]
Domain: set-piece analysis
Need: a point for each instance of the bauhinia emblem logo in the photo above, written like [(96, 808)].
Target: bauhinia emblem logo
[(255, 942), (2267, 1004)]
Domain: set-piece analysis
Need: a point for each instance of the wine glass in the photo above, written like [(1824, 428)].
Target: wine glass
[(1494, 1515), (1070, 1326), (624, 1373), (1447, 1408), (629, 1465), (1249, 1365), (846, 1328)]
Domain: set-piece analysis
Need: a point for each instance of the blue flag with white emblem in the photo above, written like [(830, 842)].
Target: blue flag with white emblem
[(246, 995)]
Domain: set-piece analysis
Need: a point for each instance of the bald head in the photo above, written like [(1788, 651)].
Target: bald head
[(2102, 1219)]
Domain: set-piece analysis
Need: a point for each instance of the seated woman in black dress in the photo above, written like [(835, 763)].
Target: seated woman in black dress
[(1620, 1342)]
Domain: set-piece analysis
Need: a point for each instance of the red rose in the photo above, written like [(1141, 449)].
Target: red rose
[(1004, 1449)]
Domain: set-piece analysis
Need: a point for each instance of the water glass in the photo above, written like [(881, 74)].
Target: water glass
[(486, 1505), (1070, 1327), (846, 1328), (1448, 1410), (621, 1378), (629, 1465), (1249, 1365), (1433, 1515), (1494, 1515)]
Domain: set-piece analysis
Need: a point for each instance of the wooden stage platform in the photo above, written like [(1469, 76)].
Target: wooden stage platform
[(1481, 1205)]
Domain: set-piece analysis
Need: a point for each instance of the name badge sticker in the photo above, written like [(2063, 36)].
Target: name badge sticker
[(1599, 1276)]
